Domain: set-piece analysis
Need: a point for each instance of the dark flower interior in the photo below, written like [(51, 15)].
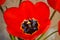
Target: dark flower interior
[(30, 26)]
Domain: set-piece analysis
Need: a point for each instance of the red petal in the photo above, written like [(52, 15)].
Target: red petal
[(14, 15), (2, 2), (59, 27), (54, 4), (42, 12), (28, 7)]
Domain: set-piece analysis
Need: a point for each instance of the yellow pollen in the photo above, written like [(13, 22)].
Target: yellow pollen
[(28, 22)]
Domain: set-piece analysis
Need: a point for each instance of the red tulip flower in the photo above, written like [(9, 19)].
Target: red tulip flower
[(59, 27), (28, 21), (2, 2), (54, 4)]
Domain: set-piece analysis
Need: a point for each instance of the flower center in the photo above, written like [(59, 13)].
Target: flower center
[(30, 26)]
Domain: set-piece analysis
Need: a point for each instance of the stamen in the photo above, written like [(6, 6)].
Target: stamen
[(30, 26)]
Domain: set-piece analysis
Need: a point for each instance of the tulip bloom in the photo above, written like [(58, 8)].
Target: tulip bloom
[(54, 4), (27, 21), (2, 2), (59, 27)]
